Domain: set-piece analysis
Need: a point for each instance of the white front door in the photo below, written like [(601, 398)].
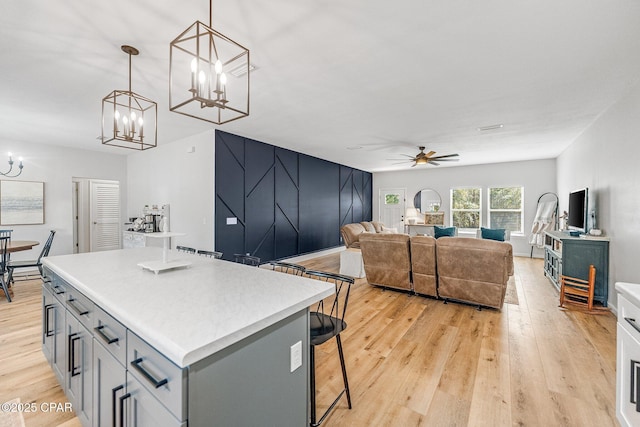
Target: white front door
[(392, 207)]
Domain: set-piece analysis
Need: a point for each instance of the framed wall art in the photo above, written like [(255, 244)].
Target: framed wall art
[(21, 203)]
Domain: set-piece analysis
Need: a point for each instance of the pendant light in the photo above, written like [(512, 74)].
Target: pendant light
[(208, 75), (129, 120)]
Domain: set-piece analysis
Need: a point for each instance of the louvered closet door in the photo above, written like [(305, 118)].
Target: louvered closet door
[(105, 216)]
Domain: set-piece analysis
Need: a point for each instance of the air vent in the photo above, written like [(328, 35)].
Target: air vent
[(242, 70), (490, 127)]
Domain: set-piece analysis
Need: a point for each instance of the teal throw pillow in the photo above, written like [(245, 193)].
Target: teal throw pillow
[(493, 233), (444, 231)]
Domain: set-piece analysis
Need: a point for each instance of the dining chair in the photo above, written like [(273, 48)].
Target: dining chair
[(326, 323), (3, 265), (210, 254), (12, 265), (186, 249), (286, 267), (7, 233), (253, 261)]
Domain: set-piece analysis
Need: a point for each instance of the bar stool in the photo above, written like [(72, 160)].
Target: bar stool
[(186, 249), (210, 254), (289, 268), (326, 323), (246, 259)]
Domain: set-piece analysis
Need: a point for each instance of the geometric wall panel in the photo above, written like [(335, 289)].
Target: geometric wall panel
[(276, 203)]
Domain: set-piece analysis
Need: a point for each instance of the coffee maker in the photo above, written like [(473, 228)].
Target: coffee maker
[(153, 218)]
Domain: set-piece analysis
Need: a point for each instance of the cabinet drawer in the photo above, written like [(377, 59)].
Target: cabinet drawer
[(164, 380), (629, 316), (111, 334), (80, 306), (58, 287)]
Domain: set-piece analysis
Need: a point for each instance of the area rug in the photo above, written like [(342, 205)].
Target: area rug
[(9, 414), (511, 296)]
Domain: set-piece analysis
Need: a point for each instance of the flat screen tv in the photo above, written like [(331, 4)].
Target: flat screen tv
[(578, 200)]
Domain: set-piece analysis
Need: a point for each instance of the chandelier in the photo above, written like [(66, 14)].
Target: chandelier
[(129, 120), (208, 75), (7, 173)]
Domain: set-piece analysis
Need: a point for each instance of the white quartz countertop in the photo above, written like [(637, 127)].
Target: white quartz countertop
[(631, 291), (187, 314)]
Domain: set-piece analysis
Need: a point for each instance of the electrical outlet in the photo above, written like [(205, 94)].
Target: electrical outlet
[(296, 356)]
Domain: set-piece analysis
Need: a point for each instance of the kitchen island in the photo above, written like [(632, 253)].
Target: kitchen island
[(217, 343)]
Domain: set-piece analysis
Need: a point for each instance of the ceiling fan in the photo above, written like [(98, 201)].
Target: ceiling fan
[(423, 158)]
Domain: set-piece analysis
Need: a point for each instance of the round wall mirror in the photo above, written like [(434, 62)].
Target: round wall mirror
[(427, 200)]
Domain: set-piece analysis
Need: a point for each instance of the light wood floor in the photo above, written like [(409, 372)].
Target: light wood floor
[(410, 360)]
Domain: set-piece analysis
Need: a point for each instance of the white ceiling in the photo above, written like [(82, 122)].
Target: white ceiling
[(385, 76)]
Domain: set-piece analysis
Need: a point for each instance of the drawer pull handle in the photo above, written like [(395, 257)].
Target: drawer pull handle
[(57, 290), (77, 308), (122, 399), (637, 374), (633, 323), (47, 329), (104, 336), (632, 373), (156, 383), (73, 338), (113, 405)]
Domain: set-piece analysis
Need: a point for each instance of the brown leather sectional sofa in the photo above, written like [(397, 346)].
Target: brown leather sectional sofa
[(351, 232), (471, 270)]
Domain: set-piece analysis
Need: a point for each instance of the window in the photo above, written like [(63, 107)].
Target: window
[(466, 207), (391, 199), (505, 208)]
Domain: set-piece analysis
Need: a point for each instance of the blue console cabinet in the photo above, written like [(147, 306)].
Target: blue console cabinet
[(571, 256)]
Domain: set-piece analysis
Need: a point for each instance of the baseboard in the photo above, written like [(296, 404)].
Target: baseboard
[(316, 254), (26, 274)]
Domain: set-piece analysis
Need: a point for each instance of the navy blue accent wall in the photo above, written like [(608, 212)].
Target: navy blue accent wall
[(284, 203)]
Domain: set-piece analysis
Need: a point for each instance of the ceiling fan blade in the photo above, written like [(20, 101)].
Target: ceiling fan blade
[(400, 163), (401, 160), (446, 156), (444, 160), (433, 163), (430, 153), (414, 165)]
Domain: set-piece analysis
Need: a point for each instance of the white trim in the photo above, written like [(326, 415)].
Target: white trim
[(317, 254)]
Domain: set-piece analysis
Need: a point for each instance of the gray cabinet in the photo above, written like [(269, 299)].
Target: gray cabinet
[(571, 256), (142, 409), (78, 386), (115, 378), (53, 337), (109, 382), (87, 349)]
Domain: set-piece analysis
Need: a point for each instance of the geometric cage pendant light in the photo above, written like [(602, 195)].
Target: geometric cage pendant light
[(208, 75), (129, 120)]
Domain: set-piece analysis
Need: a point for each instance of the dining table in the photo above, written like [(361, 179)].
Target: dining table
[(17, 246), (21, 245)]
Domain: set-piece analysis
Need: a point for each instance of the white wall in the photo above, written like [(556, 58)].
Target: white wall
[(537, 177), (170, 174), (56, 166), (605, 158)]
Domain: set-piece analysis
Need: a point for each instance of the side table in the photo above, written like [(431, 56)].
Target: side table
[(351, 263)]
